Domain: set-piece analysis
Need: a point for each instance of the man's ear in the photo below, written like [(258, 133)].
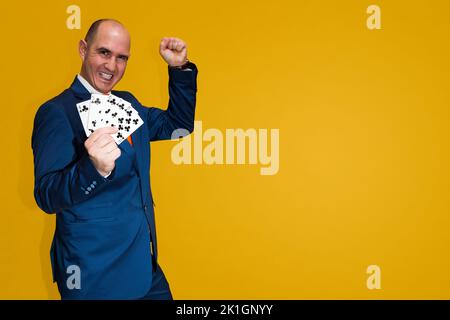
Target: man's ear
[(82, 49)]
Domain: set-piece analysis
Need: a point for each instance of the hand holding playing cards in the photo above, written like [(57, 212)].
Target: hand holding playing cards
[(173, 51), (103, 150)]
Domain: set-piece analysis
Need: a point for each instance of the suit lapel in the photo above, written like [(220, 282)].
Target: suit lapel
[(137, 138), (126, 147), (79, 90), (137, 145), (81, 94)]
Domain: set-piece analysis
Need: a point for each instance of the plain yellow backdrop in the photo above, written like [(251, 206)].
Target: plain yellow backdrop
[(364, 145)]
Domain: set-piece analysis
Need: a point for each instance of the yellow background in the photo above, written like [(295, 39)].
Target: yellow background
[(364, 145)]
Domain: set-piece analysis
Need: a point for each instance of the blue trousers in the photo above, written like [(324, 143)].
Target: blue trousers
[(160, 289)]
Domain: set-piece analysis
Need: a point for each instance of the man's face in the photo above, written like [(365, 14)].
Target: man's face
[(105, 56)]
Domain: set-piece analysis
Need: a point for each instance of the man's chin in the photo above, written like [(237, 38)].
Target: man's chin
[(106, 91), (104, 87)]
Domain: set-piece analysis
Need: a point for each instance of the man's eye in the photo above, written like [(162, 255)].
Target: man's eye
[(123, 58), (104, 53)]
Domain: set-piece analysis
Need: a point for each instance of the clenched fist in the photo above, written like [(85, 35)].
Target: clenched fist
[(103, 150), (173, 51)]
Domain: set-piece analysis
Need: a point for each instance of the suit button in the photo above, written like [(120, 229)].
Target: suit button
[(145, 207), (92, 186), (86, 192), (94, 182), (89, 188)]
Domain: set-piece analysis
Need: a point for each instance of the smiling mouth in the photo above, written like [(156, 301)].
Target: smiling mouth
[(105, 76)]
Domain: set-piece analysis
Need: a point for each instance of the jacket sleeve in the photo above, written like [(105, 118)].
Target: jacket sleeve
[(181, 109), (62, 178)]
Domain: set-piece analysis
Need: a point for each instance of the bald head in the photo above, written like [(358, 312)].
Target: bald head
[(109, 23)]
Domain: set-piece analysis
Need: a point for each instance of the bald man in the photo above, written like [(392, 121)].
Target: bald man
[(105, 246)]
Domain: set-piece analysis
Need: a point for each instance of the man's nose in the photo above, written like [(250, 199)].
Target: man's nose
[(111, 65)]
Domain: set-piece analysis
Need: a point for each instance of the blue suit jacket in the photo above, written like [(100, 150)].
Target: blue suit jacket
[(105, 227)]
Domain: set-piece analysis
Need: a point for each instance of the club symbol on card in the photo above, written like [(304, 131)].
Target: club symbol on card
[(114, 114), (119, 135), (94, 123), (84, 108), (120, 120), (128, 121), (135, 121), (96, 101), (127, 128), (129, 112)]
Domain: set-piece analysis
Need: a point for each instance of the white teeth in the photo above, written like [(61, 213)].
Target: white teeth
[(105, 75)]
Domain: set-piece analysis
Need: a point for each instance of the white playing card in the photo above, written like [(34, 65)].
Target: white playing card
[(99, 112), (128, 120), (83, 111), (120, 103)]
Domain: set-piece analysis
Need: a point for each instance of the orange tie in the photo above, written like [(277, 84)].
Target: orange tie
[(130, 140)]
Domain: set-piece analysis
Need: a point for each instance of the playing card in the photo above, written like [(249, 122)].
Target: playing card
[(128, 120), (83, 111), (120, 103), (101, 112)]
